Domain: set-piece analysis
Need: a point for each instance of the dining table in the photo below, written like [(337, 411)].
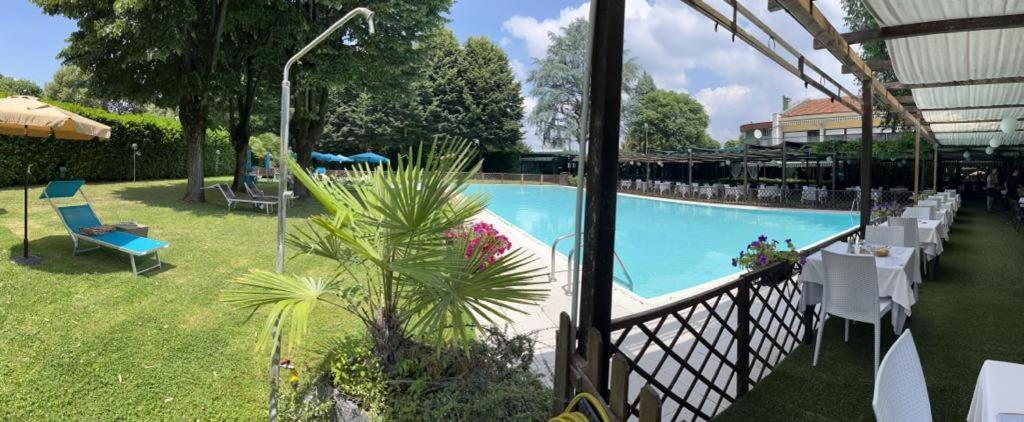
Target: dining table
[(998, 394), (897, 274), (930, 233)]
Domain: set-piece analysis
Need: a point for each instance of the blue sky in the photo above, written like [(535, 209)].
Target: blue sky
[(676, 45)]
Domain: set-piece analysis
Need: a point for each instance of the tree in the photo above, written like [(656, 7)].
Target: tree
[(734, 143), (443, 89), (388, 124), (465, 91), (644, 85), (19, 86), (253, 59), (496, 103), (423, 281), (674, 121), (356, 62), (557, 81), (147, 51), (70, 84)]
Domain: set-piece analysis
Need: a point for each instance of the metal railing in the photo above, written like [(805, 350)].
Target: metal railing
[(628, 281), (702, 353)]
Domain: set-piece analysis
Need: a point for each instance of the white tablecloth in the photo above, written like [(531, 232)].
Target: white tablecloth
[(896, 275), (1000, 389), (929, 234)]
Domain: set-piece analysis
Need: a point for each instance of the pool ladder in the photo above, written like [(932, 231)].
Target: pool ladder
[(628, 281)]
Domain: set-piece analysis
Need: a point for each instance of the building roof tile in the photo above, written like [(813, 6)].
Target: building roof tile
[(818, 106)]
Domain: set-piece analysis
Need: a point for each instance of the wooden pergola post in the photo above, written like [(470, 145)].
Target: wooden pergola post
[(935, 168), (746, 181), (783, 166), (689, 167), (917, 162), (595, 292), (867, 130), (835, 162)]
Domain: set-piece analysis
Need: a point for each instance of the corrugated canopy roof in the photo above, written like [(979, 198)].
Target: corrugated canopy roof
[(961, 58)]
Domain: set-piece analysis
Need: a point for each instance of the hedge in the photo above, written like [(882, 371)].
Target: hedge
[(159, 138)]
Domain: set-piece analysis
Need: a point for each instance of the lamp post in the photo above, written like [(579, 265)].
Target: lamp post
[(216, 162), (135, 153), (282, 184)]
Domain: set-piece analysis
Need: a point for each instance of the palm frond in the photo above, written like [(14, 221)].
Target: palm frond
[(290, 298)]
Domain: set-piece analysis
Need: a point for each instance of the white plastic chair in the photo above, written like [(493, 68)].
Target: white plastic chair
[(851, 293), (913, 239), (920, 213), (900, 390), (884, 235)]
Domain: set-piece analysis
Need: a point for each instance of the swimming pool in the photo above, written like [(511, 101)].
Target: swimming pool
[(666, 246)]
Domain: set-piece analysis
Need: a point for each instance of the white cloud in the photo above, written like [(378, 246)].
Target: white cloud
[(723, 97), (535, 33), (518, 70), (682, 51)]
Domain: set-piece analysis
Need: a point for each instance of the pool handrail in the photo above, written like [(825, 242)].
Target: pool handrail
[(569, 287)]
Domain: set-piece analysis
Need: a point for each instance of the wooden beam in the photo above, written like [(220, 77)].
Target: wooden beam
[(876, 65), (905, 99), (822, 30), (931, 28), (725, 21), (992, 81), (774, 6)]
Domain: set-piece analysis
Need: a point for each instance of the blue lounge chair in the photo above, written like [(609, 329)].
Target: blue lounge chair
[(79, 216)]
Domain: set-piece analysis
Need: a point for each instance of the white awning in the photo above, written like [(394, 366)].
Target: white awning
[(958, 56)]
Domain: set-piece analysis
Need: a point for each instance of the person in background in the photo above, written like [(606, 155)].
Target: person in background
[(992, 188), (1012, 183)]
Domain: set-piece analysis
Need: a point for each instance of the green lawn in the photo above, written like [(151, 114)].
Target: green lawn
[(970, 313), (82, 338)]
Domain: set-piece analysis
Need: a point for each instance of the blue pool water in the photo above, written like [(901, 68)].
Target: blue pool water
[(665, 246)]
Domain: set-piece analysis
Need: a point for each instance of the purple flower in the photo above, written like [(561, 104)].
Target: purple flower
[(761, 259), (734, 262), (762, 238), (789, 241), (803, 260)]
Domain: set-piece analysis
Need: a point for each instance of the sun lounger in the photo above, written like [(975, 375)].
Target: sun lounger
[(266, 203), (80, 216)]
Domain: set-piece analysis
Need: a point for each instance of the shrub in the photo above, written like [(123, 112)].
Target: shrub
[(493, 381), (159, 139)]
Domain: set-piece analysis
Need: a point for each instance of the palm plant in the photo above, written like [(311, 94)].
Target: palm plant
[(396, 270)]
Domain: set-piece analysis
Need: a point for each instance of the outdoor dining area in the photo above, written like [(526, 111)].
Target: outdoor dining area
[(949, 348)]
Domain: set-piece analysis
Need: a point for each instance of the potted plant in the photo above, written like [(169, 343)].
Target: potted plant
[(883, 211), (762, 254)]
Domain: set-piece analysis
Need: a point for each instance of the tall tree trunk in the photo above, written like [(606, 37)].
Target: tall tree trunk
[(307, 128), (240, 131), (192, 112), (240, 124)]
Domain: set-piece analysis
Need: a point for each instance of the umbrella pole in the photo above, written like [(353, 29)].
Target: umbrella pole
[(25, 258)]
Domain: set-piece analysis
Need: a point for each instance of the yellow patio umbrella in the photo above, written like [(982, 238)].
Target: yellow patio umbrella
[(28, 117)]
